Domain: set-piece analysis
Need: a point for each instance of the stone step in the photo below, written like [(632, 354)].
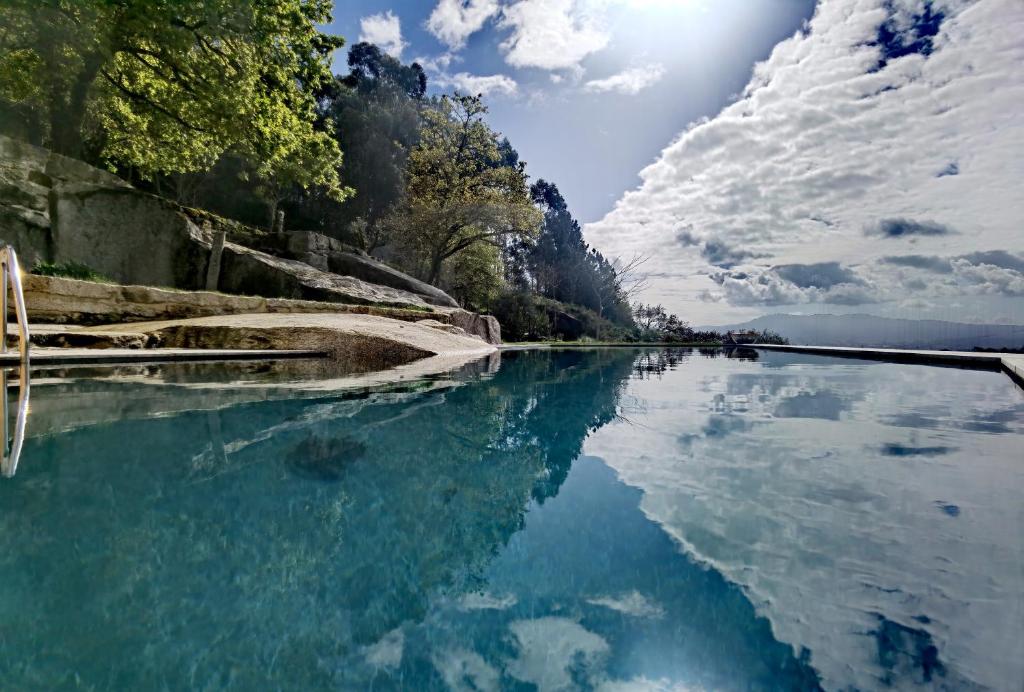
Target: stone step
[(60, 301)]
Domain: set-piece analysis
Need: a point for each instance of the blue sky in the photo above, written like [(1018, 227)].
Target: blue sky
[(792, 156)]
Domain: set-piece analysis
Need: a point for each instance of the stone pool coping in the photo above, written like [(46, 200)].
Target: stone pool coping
[(1010, 363)]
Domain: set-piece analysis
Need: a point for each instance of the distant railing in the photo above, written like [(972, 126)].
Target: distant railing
[(10, 278)]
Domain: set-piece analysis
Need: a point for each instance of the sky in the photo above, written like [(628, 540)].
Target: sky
[(764, 156)]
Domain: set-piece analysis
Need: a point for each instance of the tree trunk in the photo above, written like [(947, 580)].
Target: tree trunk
[(271, 214), (66, 117), (435, 268)]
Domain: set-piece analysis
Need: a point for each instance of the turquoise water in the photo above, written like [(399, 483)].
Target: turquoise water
[(608, 519)]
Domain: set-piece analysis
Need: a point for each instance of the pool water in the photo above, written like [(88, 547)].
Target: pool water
[(608, 519)]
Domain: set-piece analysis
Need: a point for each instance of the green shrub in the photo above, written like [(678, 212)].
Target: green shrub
[(69, 270), (525, 316)]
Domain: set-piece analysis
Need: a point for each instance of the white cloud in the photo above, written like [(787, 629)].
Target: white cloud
[(454, 21), (465, 670), (551, 34), (844, 149), (634, 604), (487, 601), (383, 30), (631, 81), (438, 63), (388, 651), (438, 70), (550, 648), (486, 85)]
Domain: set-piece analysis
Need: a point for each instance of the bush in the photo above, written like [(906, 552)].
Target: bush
[(770, 337), (69, 270), (525, 316)]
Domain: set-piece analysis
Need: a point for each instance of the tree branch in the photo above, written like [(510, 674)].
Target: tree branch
[(150, 102)]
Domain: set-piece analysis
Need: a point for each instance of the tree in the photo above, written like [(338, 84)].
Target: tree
[(168, 87), (650, 318), (563, 267), (459, 191), (374, 113)]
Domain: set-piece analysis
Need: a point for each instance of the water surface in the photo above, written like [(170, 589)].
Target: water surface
[(605, 519)]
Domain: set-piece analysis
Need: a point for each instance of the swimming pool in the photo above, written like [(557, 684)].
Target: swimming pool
[(577, 519)]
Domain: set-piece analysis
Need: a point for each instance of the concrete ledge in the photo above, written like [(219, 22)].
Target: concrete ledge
[(112, 356), (1011, 364)]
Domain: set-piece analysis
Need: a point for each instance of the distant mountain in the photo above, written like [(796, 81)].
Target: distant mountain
[(882, 332)]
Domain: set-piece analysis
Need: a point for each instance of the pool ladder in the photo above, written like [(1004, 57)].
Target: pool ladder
[(10, 276)]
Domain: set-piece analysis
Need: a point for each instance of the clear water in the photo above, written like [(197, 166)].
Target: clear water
[(607, 519)]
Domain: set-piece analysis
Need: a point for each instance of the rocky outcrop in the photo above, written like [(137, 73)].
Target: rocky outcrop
[(129, 236), (67, 301), (484, 326), (251, 272), (28, 175), (331, 255)]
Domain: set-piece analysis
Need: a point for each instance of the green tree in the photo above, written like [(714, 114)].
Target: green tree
[(460, 192), (374, 114), (168, 87)]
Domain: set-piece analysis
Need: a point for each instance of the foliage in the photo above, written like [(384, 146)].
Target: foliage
[(526, 316), (374, 114), (69, 270), (460, 190), (767, 336), (654, 323), (168, 87), (473, 277), (561, 266)]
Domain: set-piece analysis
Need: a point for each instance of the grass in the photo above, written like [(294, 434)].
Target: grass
[(69, 270)]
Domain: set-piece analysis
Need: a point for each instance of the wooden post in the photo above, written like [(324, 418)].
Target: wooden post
[(213, 268)]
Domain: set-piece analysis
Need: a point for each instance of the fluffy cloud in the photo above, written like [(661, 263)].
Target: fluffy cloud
[(885, 129), (383, 30), (477, 84), (994, 273), (454, 21), (551, 34), (794, 284), (631, 81)]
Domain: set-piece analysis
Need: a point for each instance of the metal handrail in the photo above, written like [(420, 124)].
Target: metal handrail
[(10, 453), (10, 276), (10, 273)]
